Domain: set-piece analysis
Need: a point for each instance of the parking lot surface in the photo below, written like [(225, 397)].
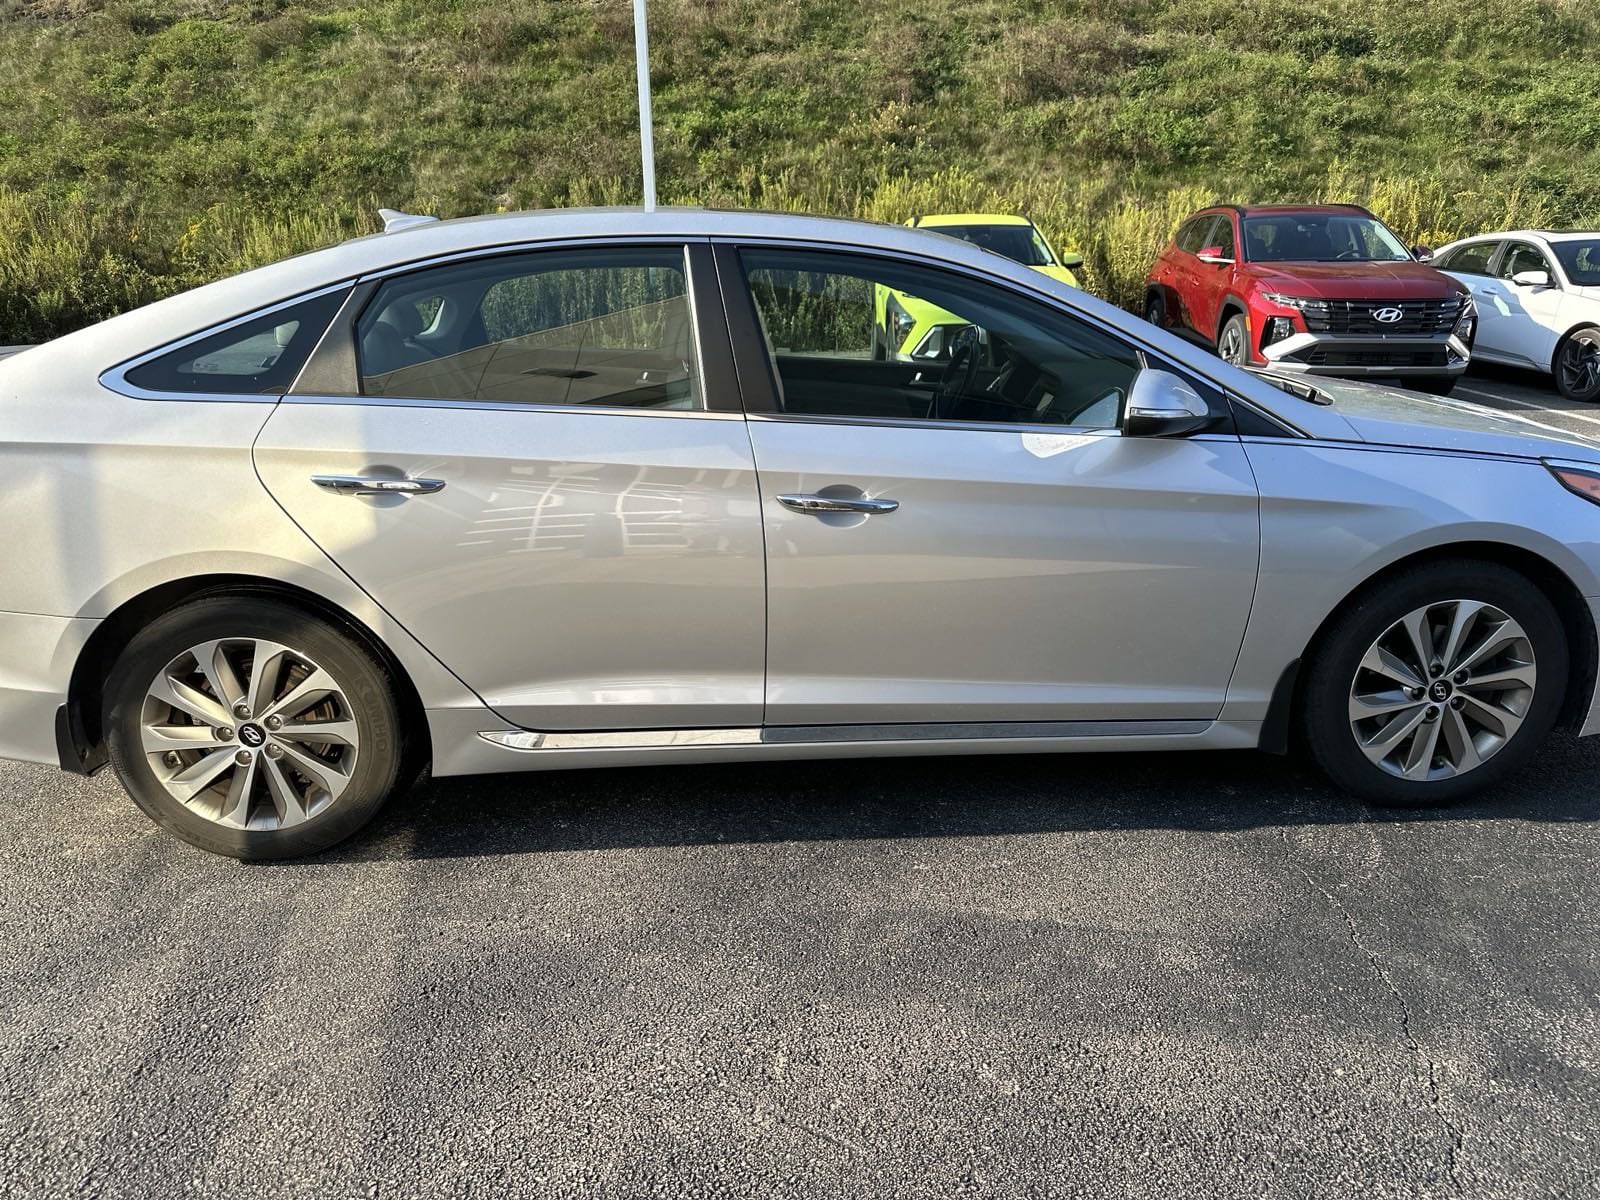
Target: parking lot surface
[(1158, 975), (1527, 394)]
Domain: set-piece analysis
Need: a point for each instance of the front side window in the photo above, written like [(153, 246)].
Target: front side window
[(858, 337), (1523, 257), (1020, 243), (1581, 259), (1469, 260), (607, 327), (258, 356), (1221, 236), (1321, 237), (1191, 235)]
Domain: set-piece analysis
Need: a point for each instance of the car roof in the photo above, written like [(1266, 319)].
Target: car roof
[(934, 220), (1267, 210)]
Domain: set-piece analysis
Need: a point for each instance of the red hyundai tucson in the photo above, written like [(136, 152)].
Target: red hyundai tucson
[(1320, 289)]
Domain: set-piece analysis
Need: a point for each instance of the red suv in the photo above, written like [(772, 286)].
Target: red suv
[(1323, 289)]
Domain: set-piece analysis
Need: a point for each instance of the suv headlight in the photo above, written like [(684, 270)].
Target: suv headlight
[(1286, 301), (1467, 321)]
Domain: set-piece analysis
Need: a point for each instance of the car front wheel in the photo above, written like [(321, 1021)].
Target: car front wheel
[(251, 729), (1233, 344), (1435, 684), (1435, 385), (1578, 366)]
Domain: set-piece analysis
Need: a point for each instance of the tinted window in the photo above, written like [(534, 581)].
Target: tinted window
[(1221, 236), (261, 355), (1581, 260), (1192, 231), (605, 327), (1520, 256), (1468, 260), (853, 336), (1021, 243)]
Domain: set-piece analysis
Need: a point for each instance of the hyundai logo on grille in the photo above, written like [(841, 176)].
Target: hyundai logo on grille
[(1389, 315)]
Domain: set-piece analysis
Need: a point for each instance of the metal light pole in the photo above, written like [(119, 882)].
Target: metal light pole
[(647, 144)]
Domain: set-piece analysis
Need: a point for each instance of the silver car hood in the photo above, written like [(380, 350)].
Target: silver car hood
[(1393, 417)]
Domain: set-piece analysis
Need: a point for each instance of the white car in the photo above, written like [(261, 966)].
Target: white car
[(1538, 297)]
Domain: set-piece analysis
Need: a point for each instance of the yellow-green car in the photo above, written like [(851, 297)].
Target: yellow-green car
[(908, 328)]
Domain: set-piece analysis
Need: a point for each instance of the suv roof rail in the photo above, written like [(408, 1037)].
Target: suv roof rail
[(393, 219)]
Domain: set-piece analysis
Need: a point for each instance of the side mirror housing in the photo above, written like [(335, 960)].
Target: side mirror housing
[(1423, 254), (1213, 254), (1072, 261), (1533, 279), (1162, 405)]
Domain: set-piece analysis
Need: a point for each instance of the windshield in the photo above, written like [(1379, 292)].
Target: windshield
[(1020, 243), (1580, 260), (1320, 237)]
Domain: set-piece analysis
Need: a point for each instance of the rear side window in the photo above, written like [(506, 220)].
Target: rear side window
[(260, 355), (607, 327)]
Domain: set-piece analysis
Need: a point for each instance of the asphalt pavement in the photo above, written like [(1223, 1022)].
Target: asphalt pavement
[(1098, 976), (1527, 394)]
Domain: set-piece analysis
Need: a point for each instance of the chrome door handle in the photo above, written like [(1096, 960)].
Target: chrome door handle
[(835, 504), (376, 485)]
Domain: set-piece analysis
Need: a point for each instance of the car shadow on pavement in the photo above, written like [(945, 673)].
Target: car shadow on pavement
[(939, 797)]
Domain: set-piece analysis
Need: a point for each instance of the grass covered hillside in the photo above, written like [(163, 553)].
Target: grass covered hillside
[(148, 145)]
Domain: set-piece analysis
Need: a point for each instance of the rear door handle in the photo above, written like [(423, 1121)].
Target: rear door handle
[(836, 504), (376, 485)]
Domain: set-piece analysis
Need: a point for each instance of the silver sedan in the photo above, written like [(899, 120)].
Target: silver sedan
[(590, 488)]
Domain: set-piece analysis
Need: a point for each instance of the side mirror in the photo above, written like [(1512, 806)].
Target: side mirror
[(1072, 261), (1162, 405), (1423, 254), (1535, 279), (1213, 254)]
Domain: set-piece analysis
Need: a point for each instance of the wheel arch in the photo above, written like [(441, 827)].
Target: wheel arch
[(1576, 620), (1231, 306), (80, 734)]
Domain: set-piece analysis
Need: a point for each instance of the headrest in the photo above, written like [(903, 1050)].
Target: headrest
[(403, 318)]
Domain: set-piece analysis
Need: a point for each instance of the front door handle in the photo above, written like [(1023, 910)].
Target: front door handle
[(377, 485), (836, 504)]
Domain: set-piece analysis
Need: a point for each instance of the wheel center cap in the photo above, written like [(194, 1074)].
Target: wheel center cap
[(1438, 693), (252, 735)]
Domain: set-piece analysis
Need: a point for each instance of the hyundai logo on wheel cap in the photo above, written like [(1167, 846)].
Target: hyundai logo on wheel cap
[(1389, 315)]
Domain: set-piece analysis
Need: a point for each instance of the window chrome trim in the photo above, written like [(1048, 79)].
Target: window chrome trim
[(115, 379), (613, 410), (935, 423)]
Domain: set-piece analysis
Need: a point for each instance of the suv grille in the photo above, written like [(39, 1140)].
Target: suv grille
[(1356, 316)]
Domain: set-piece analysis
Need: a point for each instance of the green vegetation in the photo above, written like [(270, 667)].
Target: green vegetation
[(149, 145)]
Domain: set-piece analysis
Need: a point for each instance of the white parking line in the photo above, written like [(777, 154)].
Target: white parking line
[(1549, 412)]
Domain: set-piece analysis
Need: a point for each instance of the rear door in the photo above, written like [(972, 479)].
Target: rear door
[(995, 551), (1471, 264), (582, 541)]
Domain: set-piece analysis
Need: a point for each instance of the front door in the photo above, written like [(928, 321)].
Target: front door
[(593, 558), (969, 537)]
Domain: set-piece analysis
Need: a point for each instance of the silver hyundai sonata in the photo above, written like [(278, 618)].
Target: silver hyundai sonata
[(594, 488)]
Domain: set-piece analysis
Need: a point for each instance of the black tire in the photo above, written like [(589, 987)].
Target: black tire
[(1233, 342), (1572, 380), (1155, 310), (1332, 665), (1434, 385), (381, 765)]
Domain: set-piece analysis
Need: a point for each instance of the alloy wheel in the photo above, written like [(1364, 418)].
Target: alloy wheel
[(249, 734), (1443, 690), (1231, 348), (1579, 368)]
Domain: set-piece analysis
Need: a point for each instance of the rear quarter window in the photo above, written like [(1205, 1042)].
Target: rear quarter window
[(260, 355)]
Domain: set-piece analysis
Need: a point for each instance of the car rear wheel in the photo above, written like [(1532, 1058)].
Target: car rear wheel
[(1233, 344), (251, 729), (1435, 684), (1577, 366)]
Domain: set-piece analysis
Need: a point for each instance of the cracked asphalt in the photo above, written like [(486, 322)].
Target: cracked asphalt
[(1085, 976)]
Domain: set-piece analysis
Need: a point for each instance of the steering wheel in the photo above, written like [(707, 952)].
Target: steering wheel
[(959, 371)]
